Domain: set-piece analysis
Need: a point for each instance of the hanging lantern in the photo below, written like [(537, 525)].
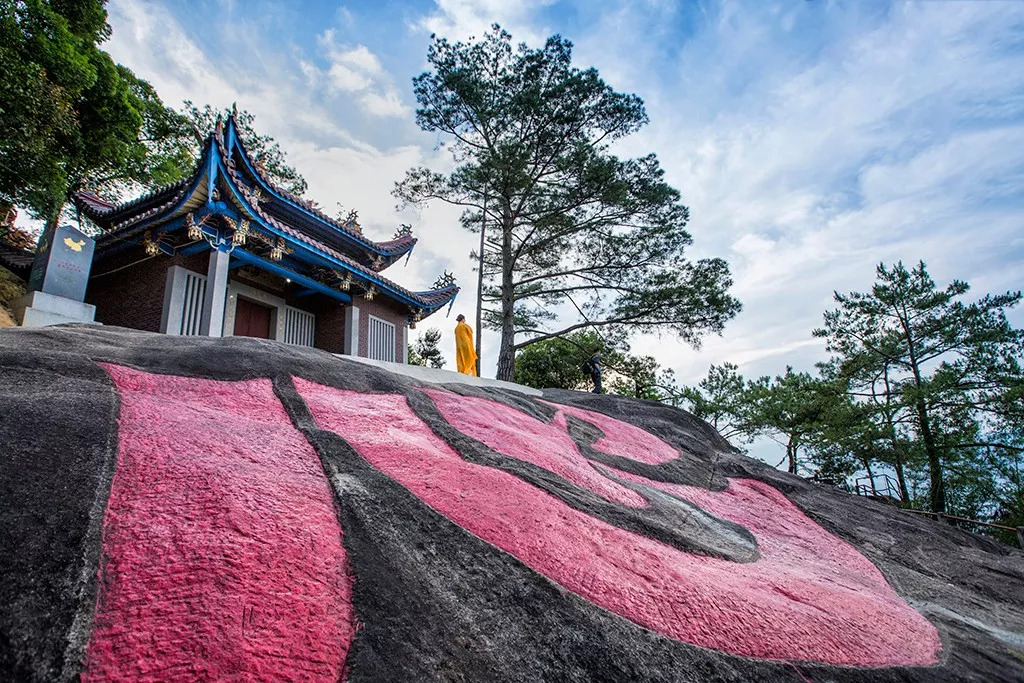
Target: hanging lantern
[(277, 252), (151, 247), (346, 284), (241, 232), (195, 233), (369, 293)]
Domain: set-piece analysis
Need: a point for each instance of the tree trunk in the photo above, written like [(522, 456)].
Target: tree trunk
[(507, 351), (791, 455), (937, 486), (480, 288), (901, 479), (871, 475)]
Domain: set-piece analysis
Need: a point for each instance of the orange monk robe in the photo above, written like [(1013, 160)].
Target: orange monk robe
[(465, 354)]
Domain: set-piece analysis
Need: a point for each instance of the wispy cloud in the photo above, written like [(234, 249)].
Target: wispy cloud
[(355, 69), (460, 19)]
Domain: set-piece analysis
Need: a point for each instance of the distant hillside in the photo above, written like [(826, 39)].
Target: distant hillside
[(204, 509)]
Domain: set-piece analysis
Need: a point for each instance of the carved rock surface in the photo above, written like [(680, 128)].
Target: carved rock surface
[(205, 509)]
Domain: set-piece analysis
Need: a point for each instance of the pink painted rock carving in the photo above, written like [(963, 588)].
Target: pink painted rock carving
[(810, 597), (222, 555)]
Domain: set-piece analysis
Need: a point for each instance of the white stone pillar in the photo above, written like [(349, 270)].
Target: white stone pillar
[(404, 353), (352, 331), (212, 324), (174, 300)]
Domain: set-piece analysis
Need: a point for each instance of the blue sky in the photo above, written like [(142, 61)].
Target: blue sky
[(811, 139)]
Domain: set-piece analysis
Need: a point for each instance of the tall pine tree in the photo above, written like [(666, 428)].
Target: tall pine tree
[(947, 364), (576, 237)]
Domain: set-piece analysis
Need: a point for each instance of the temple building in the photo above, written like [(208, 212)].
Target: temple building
[(226, 252)]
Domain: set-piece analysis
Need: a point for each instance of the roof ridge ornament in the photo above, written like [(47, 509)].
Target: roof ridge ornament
[(444, 281), (404, 230), (352, 222)]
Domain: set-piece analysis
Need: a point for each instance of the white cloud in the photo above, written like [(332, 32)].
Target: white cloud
[(344, 17), (386, 104), (353, 69), (358, 70), (361, 58), (347, 79), (460, 19)]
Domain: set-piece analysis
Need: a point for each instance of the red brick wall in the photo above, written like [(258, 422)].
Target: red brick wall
[(128, 291), (128, 288), (330, 324), (385, 309)]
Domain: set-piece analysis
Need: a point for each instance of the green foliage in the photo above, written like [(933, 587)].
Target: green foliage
[(922, 384), (944, 370), (789, 409), (639, 377), (70, 117), (197, 122), (570, 229), (425, 350), (557, 363), (721, 400)]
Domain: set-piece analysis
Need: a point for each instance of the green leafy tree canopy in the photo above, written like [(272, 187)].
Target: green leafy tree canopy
[(71, 118), (948, 365)]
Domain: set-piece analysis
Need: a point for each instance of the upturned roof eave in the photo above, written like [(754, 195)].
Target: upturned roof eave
[(107, 216), (87, 202), (289, 203), (184, 193), (332, 257)]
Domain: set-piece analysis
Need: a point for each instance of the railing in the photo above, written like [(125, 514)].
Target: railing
[(299, 327), (890, 493), (889, 488), (939, 516), (192, 304)]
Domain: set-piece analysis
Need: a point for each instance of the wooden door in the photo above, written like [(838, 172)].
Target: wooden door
[(251, 319)]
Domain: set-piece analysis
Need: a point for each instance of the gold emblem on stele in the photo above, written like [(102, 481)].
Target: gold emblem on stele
[(75, 245)]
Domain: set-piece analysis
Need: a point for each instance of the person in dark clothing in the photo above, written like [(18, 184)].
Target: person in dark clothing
[(593, 368)]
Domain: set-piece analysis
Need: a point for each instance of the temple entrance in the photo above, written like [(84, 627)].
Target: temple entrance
[(252, 319)]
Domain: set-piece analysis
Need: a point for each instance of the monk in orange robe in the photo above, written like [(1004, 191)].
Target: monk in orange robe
[(465, 353)]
